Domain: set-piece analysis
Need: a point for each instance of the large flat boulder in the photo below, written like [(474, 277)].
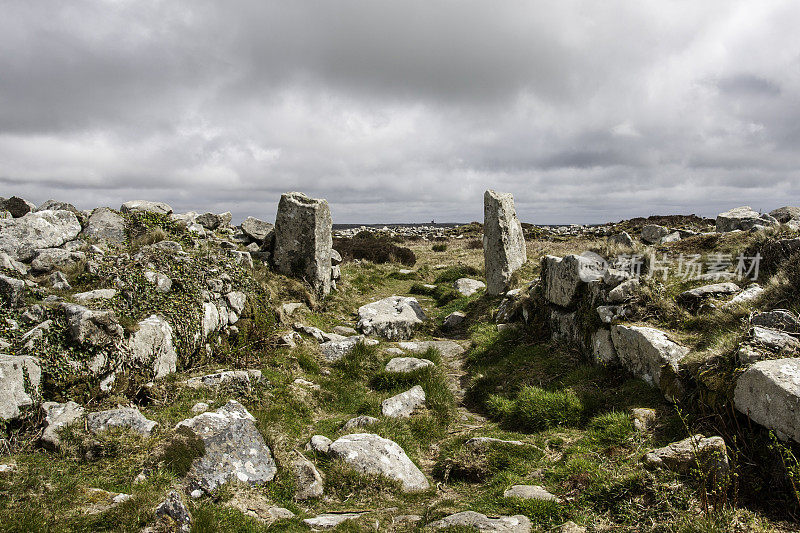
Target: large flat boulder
[(504, 248), (780, 319), (234, 449), (480, 522), (106, 226), (404, 404), (145, 206), (258, 230), (785, 214), (371, 454), (715, 290), (467, 286), (20, 237), (769, 393), (303, 240), (393, 318), (742, 218), (20, 376), (446, 348), (646, 351), (122, 417)]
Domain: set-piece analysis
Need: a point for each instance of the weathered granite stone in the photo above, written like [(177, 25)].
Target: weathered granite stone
[(503, 241), (748, 295), (785, 214), (359, 422), (404, 404), (453, 320), (467, 286), (6, 261), (308, 480), (97, 294), (47, 259), (371, 454), (162, 282), (480, 522), (143, 206), (695, 452), (563, 277), (530, 492), (91, 326), (123, 417), (405, 365), (769, 393), (445, 348), (643, 418), (21, 237), (603, 350), (174, 510), (18, 207), (11, 290), (106, 226), (694, 296), (234, 449), (234, 378), (653, 233), (332, 351), (780, 319), (774, 340), (320, 444), (20, 376), (621, 239), (151, 346), (56, 416), (742, 218), (256, 229), (645, 351), (624, 291), (393, 318), (329, 520), (303, 240)]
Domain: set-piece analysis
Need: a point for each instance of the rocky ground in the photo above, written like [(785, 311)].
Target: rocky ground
[(159, 374)]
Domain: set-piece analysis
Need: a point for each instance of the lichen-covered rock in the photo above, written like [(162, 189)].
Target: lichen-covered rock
[(453, 320), (645, 351), (695, 452), (563, 277), (20, 237), (328, 520), (480, 522), (18, 207), (175, 512), (144, 206), (105, 226), (319, 444), (742, 218), (393, 318), (258, 230), (56, 416), (780, 319), (20, 376), (653, 233), (621, 239), (308, 480), (643, 418), (162, 282), (212, 221), (603, 351), (748, 295), (445, 348), (11, 290), (769, 393), (624, 291), (371, 454), (404, 404), (467, 286), (503, 241), (696, 295), (99, 328), (774, 340), (303, 240), (531, 492), (151, 346), (785, 214), (6, 261), (234, 449), (404, 365), (234, 378), (48, 259), (334, 350), (123, 417), (97, 294), (360, 422)]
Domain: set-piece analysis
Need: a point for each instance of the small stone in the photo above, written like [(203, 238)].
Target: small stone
[(307, 479), (329, 521), (453, 320), (707, 454), (320, 444), (359, 422), (404, 404), (467, 286), (643, 419), (405, 365), (123, 417), (530, 492)]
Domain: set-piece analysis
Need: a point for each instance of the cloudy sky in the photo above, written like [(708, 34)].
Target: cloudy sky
[(404, 110)]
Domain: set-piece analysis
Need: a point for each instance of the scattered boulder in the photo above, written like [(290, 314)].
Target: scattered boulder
[(445, 348), (563, 277), (503, 241), (329, 521), (405, 365), (20, 377), (234, 449), (122, 417), (151, 346), (359, 422), (256, 229), (99, 328), (695, 452), (697, 295), (780, 319), (18, 207), (20, 237), (393, 318), (530, 492), (303, 240), (59, 281), (97, 294), (47, 259), (748, 295), (371, 454), (621, 239), (653, 233), (11, 290), (624, 291), (404, 404), (742, 218), (143, 206), (467, 286), (769, 393), (161, 281), (643, 418), (308, 480), (55, 205), (453, 320), (774, 340), (212, 221), (174, 510), (243, 379), (785, 214), (320, 444), (675, 236), (332, 351), (645, 351), (106, 226), (470, 519), (56, 416), (6, 261)]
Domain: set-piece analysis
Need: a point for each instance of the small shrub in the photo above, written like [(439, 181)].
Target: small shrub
[(420, 288), (439, 247), (611, 429), (474, 244), (449, 275), (377, 249), (536, 409)]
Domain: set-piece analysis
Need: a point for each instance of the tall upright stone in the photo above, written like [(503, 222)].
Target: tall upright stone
[(503, 241), (303, 240)]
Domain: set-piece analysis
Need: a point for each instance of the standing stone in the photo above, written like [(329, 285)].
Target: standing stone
[(303, 240), (503, 241)]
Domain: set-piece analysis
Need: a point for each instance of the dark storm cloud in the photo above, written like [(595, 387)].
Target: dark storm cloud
[(403, 110)]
